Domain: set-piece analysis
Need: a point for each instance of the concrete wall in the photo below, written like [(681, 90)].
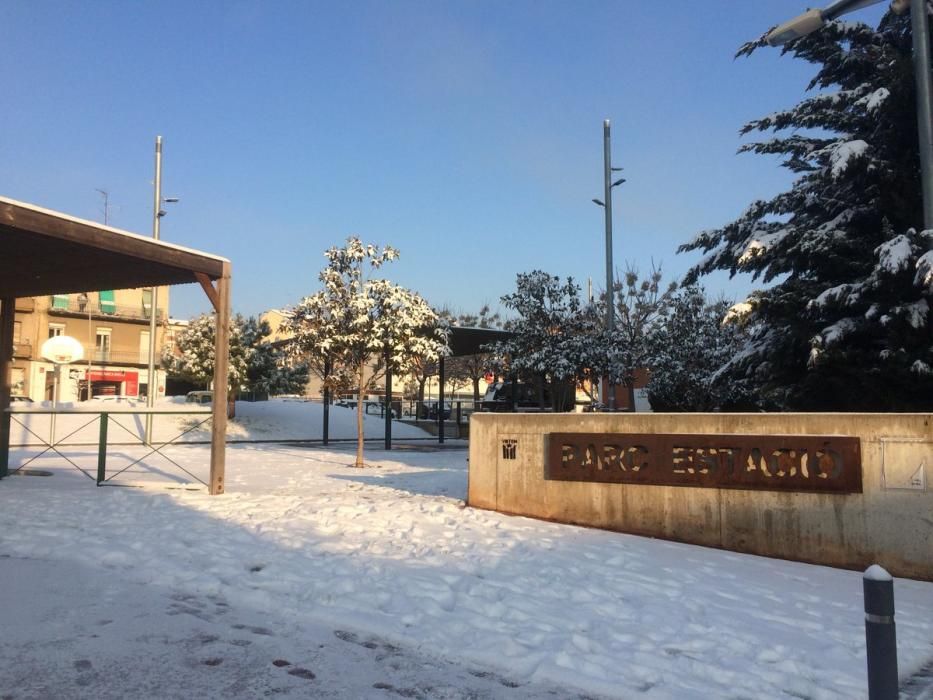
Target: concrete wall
[(890, 522)]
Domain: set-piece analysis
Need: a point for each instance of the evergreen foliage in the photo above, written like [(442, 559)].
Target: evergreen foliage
[(256, 365), (685, 349), (195, 363), (846, 324), (553, 341)]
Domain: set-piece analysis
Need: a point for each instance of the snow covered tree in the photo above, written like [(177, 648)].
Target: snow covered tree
[(355, 319), (846, 325), (255, 364), (196, 345), (553, 336), (640, 304), (685, 351)]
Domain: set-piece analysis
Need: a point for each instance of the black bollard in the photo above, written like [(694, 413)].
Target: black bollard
[(880, 635)]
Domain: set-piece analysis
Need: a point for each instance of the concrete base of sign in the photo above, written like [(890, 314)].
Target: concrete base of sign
[(890, 522)]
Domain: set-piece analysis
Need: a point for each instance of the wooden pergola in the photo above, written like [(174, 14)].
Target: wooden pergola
[(45, 252)]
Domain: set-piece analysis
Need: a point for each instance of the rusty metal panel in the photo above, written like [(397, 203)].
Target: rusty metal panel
[(830, 464)]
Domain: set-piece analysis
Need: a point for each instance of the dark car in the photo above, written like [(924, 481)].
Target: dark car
[(428, 409), (501, 397)]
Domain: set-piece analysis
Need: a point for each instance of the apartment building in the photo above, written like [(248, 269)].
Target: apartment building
[(113, 328)]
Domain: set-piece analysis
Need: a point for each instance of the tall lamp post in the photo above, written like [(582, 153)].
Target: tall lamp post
[(813, 20), (157, 214), (606, 204)]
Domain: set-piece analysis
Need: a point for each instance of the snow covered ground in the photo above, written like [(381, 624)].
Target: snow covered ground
[(310, 578)]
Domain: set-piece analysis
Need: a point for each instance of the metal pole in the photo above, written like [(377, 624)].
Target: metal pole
[(920, 28), (152, 383), (610, 304), (440, 400), (880, 634), (102, 449), (387, 406)]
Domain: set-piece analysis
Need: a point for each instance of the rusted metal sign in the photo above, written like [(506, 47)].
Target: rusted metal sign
[(770, 462)]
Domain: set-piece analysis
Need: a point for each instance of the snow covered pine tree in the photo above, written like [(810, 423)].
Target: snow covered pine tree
[(847, 326)]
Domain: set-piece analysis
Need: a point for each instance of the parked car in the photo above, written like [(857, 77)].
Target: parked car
[(199, 397), (21, 399), (499, 397), (428, 409), (369, 407)]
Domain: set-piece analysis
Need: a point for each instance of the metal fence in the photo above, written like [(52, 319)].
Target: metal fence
[(102, 430)]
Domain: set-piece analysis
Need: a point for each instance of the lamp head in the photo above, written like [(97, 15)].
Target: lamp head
[(799, 26)]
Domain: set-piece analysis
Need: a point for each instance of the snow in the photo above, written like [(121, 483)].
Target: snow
[(875, 572), (843, 153), (834, 333), (758, 245), (313, 578), (874, 100), (737, 312), (924, 274), (894, 255)]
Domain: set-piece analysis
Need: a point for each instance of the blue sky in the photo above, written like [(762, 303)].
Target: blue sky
[(466, 134)]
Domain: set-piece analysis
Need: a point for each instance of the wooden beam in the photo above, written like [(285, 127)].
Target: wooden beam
[(221, 364), (209, 289), (7, 317), (90, 235)]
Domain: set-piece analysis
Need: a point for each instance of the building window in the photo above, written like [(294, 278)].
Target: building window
[(143, 347), (102, 345), (147, 302), (59, 301), (17, 332), (108, 304), (56, 329), (19, 382)]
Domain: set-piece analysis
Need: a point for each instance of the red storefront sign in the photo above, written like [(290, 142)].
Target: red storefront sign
[(112, 375), (106, 375)]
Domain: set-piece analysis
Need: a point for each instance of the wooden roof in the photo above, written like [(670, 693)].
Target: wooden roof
[(47, 252), (471, 341)]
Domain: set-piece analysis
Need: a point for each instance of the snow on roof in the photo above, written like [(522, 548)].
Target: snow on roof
[(121, 232)]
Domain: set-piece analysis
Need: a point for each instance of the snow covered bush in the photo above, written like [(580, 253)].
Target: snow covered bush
[(555, 334), (256, 365), (195, 363), (846, 324), (686, 349)]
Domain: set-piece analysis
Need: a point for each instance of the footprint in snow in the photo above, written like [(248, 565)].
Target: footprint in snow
[(255, 630), (299, 672), (501, 680)]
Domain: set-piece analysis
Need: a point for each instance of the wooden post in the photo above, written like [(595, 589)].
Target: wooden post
[(7, 317), (221, 381)]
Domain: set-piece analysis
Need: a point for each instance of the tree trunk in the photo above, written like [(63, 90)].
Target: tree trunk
[(475, 388), (359, 416)]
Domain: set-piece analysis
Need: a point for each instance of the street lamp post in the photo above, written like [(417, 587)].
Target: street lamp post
[(606, 204), (812, 20), (157, 214)]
